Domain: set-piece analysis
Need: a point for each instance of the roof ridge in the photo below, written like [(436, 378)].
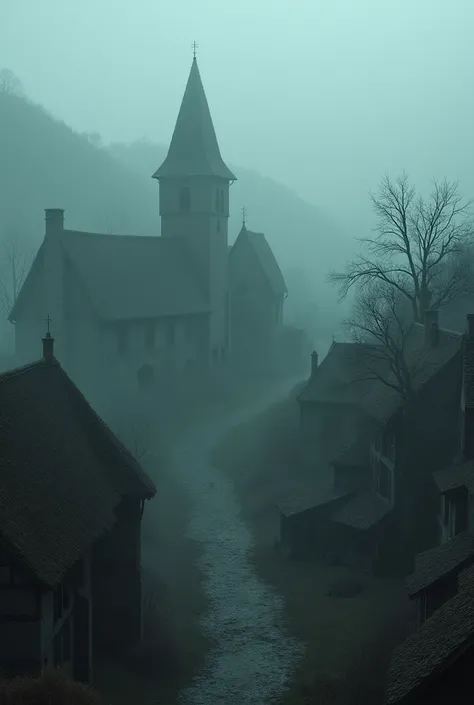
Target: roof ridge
[(111, 235), (22, 369)]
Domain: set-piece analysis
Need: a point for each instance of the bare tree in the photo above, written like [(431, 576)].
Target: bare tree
[(15, 262), (418, 248), (10, 83), (379, 319)]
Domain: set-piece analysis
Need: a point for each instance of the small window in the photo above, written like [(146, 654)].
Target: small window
[(122, 339), (170, 334), (184, 200), (150, 336)]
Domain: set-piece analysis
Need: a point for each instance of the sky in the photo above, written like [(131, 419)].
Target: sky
[(324, 96)]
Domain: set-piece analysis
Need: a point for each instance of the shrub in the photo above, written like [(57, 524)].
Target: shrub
[(50, 688)]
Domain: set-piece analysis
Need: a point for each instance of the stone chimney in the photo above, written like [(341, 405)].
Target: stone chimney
[(314, 364), (431, 327), (467, 404), (54, 218)]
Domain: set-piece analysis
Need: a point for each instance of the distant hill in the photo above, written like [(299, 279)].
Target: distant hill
[(45, 164)]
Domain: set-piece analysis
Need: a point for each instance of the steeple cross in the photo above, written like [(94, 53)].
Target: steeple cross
[(195, 46), (244, 215), (48, 320)]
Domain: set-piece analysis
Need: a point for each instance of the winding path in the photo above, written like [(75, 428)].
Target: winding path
[(254, 656)]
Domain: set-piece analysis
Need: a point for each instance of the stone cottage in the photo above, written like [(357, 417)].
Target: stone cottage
[(129, 311), (71, 503)]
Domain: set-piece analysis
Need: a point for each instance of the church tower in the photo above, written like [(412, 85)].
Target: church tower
[(194, 203)]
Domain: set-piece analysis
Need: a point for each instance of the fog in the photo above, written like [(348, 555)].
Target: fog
[(322, 96)]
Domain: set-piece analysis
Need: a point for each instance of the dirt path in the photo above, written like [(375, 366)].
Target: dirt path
[(253, 655)]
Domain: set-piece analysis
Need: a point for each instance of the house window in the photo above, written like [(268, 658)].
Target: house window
[(122, 339), (383, 479), (448, 518), (150, 336), (388, 446), (170, 334), (184, 199)]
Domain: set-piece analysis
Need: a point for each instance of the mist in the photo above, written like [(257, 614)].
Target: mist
[(298, 418)]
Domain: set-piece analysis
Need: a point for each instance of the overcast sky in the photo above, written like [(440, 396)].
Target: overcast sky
[(323, 96)]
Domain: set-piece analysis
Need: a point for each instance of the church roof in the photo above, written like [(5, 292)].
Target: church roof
[(266, 258), (194, 150), (62, 470), (129, 276)]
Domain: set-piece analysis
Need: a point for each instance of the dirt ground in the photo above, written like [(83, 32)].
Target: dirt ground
[(343, 636)]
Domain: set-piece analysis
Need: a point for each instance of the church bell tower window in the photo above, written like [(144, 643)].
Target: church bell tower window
[(184, 200)]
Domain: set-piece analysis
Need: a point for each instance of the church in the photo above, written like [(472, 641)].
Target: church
[(129, 311)]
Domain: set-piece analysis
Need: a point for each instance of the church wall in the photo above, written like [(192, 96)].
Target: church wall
[(171, 346), (30, 326), (253, 302), (83, 357)]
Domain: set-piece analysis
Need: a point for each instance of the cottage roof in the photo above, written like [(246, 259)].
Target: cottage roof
[(342, 376), (194, 150), (128, 276), (62, 470), (423, 360), (307, 498), (266, 258), (443, 637), (364, 510), (440, 561), (459, 474)]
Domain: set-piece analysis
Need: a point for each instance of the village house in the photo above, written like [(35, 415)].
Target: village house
[(434, 665), (442, 583), (380, 502), (131, 311), (71, 503)]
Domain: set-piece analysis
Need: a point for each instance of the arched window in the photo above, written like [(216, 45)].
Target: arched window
[(184, 199)]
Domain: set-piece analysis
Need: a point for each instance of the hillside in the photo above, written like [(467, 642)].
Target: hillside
[(44, 163)]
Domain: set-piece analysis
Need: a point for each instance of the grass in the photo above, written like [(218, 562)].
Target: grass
[(348, 621), (50, 688)]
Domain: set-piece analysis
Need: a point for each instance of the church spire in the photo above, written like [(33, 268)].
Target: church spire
[(194, 150)]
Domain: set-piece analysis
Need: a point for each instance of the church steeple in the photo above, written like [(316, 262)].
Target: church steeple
[(194, 150)]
